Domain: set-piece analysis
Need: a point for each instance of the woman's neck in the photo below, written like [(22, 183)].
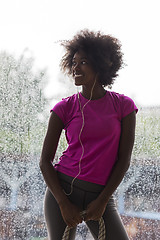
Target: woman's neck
[(97, 92)]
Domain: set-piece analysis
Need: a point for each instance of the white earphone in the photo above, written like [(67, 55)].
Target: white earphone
[(79, 137)]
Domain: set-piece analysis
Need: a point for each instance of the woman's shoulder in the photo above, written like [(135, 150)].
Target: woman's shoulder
[(66, 101), (116, 94), (69, 99), (64, 107), (66, 104), (123, 103), (119, 96)]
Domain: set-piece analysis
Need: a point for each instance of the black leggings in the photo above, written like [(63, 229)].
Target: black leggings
[(83, 193)]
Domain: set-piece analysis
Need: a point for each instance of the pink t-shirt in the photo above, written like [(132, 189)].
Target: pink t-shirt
[(100, 135)]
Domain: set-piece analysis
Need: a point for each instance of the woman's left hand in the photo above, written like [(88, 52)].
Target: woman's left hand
[(95, 210)]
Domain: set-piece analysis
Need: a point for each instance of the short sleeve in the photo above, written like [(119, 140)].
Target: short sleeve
[(61, 109), (127, 106)]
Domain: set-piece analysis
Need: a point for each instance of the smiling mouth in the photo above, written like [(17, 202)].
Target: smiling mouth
[(78, 75)]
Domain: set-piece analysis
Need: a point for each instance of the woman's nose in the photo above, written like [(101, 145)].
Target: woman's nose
[(76, 66)]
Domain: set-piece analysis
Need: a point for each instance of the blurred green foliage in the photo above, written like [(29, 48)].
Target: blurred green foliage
[(147, 140), (22, 105)]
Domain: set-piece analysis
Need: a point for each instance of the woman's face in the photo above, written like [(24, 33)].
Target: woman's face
[(82, 70)]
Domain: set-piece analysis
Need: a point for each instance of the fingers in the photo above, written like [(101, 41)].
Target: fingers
[(71, 215), (87, 216), (73, 222), (92, 216), (94, 211), (83, 215)]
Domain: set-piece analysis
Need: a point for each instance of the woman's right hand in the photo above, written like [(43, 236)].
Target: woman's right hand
[(70, 213)]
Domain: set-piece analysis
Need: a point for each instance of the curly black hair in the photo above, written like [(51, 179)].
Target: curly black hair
[(103, 51)]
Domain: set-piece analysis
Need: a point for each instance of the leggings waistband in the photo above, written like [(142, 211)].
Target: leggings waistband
[(81, 184)]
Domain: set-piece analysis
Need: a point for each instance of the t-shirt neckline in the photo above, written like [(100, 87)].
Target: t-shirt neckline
[(86, 99)]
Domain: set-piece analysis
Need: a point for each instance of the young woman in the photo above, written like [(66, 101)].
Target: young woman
[(100, 130)]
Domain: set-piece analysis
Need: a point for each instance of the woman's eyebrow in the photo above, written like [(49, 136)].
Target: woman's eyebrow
[(82, 58)]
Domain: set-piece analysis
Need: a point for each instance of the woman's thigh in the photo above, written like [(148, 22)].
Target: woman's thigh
[(56, 225), (114, 227), (54, 221)]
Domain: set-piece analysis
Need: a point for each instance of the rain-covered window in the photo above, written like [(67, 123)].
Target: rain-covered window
[(23, 124), (25, 105)]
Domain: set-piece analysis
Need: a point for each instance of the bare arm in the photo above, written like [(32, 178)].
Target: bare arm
[(119, 170), (54, 130), (51, 140)]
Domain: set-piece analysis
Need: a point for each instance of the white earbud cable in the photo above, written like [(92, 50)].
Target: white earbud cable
[(80, 160)]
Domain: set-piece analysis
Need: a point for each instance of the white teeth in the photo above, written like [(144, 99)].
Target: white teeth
[(78, 75)]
